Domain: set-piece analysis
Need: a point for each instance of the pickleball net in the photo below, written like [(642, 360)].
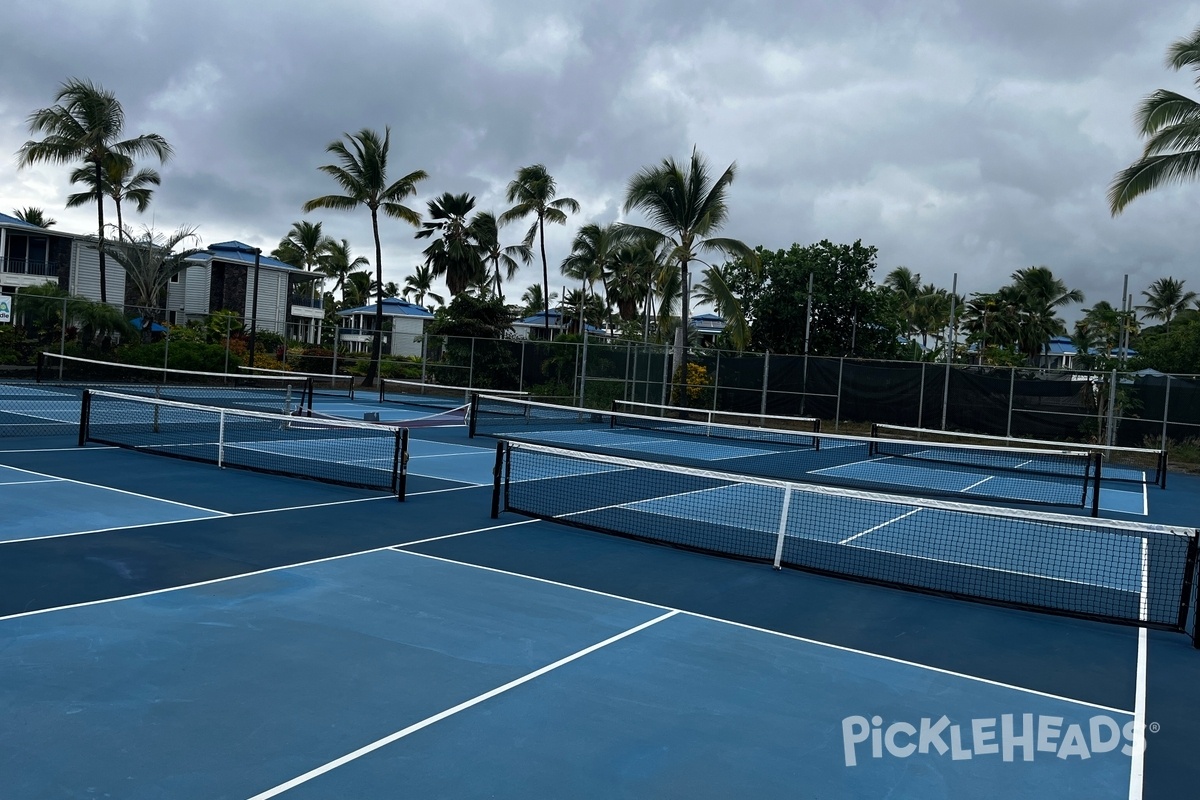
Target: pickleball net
[(711, 416), (454, 400), (323, 384), (1039, 477), (1109, 570), (255, 392), (1145, 465), (332, 451)]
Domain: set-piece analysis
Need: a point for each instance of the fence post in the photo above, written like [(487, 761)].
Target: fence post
[(766, 377), (952, 340), (521, 373), (1012, 383), (1167, 416), (1112, 407), (666, 376), (837, 414), (921, 400), (337, 329), (62, 338), (228, 328), (424, 353), (471, 366), (804, 384), (716, 380), (583, 367), (630, 367)]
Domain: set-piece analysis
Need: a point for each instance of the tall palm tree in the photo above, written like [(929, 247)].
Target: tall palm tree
[(119, 182), (534, 192), (485, 230), (34, 216), (86, 124), (1164, 299), (593, 253), (454, 253), (1170, 124), (906, 286), (685, 206), (357, 289), (336, 263), (306, 247), (419, 285), (361, 171)]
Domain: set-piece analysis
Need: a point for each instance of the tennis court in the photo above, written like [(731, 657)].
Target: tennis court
[(176, 629)]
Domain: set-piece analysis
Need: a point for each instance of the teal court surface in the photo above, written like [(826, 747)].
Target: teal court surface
[(173, 629)]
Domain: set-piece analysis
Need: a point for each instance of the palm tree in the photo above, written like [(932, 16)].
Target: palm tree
[(419, 285), (594, 253), (357, 289), (534, 192), (485, 230), (453, 253), (361, 171), (535, 302), (118, 181), (685, 206), (150, 261), (715, 290), (87, 124), (336, 263), (1170, 124), (629, 278), (1164, 299), (306, 247), (34, 216), (905, 285)]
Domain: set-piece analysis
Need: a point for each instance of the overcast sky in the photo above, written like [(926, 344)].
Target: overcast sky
[(968, 137)]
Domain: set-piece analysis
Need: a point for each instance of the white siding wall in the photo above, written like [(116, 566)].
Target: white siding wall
[(272, 299), (405, 331), (196, 284), (85, 273)]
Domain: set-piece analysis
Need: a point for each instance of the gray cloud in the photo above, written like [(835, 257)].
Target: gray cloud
[(976, 138)]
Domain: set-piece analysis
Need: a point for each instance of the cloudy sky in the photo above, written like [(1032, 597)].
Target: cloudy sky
[(974, 137)]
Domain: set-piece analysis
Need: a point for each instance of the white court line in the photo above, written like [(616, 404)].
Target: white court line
[(73, 449), (978, 483), (790, 636), (474, 701), (849, 539), (120, 491), (466, 485), (1137, 768), (851, 464), (265, 571), (218, 515), (491, 453), (24, 483)]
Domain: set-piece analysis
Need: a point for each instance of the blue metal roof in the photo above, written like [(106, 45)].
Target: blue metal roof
[(13, 222), (240, 253), (392, 307)]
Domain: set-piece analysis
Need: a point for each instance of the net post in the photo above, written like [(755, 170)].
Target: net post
[(874, 435), (85, 416), (1097, 460), (400, 464), (41, 366), (473, 415), (311, 389), (1185, 594), (783, 519), (1162, 469), (221, 440), (497, 474), (382, 389)]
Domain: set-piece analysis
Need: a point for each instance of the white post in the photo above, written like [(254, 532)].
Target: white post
[(783, 520), (951, 340)]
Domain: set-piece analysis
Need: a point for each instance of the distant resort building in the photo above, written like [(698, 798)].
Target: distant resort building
[(406, 321)]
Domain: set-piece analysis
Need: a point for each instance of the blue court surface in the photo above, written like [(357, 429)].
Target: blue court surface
[(172, 629)]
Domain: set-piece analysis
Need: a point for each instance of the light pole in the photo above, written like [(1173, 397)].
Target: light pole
[(254, 305)]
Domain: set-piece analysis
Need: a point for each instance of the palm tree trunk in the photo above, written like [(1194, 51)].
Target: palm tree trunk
[(100, 235), (545, 277), (681, 331), (120, 221), (377, 338)]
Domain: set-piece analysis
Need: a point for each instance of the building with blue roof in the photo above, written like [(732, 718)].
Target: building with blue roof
[(403, 323), (31, 255), (222, 278)]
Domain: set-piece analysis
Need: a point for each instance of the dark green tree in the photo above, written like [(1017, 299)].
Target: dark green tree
[(850, 317)]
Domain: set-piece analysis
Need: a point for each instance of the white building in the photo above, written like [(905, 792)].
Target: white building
[(406, 322)]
